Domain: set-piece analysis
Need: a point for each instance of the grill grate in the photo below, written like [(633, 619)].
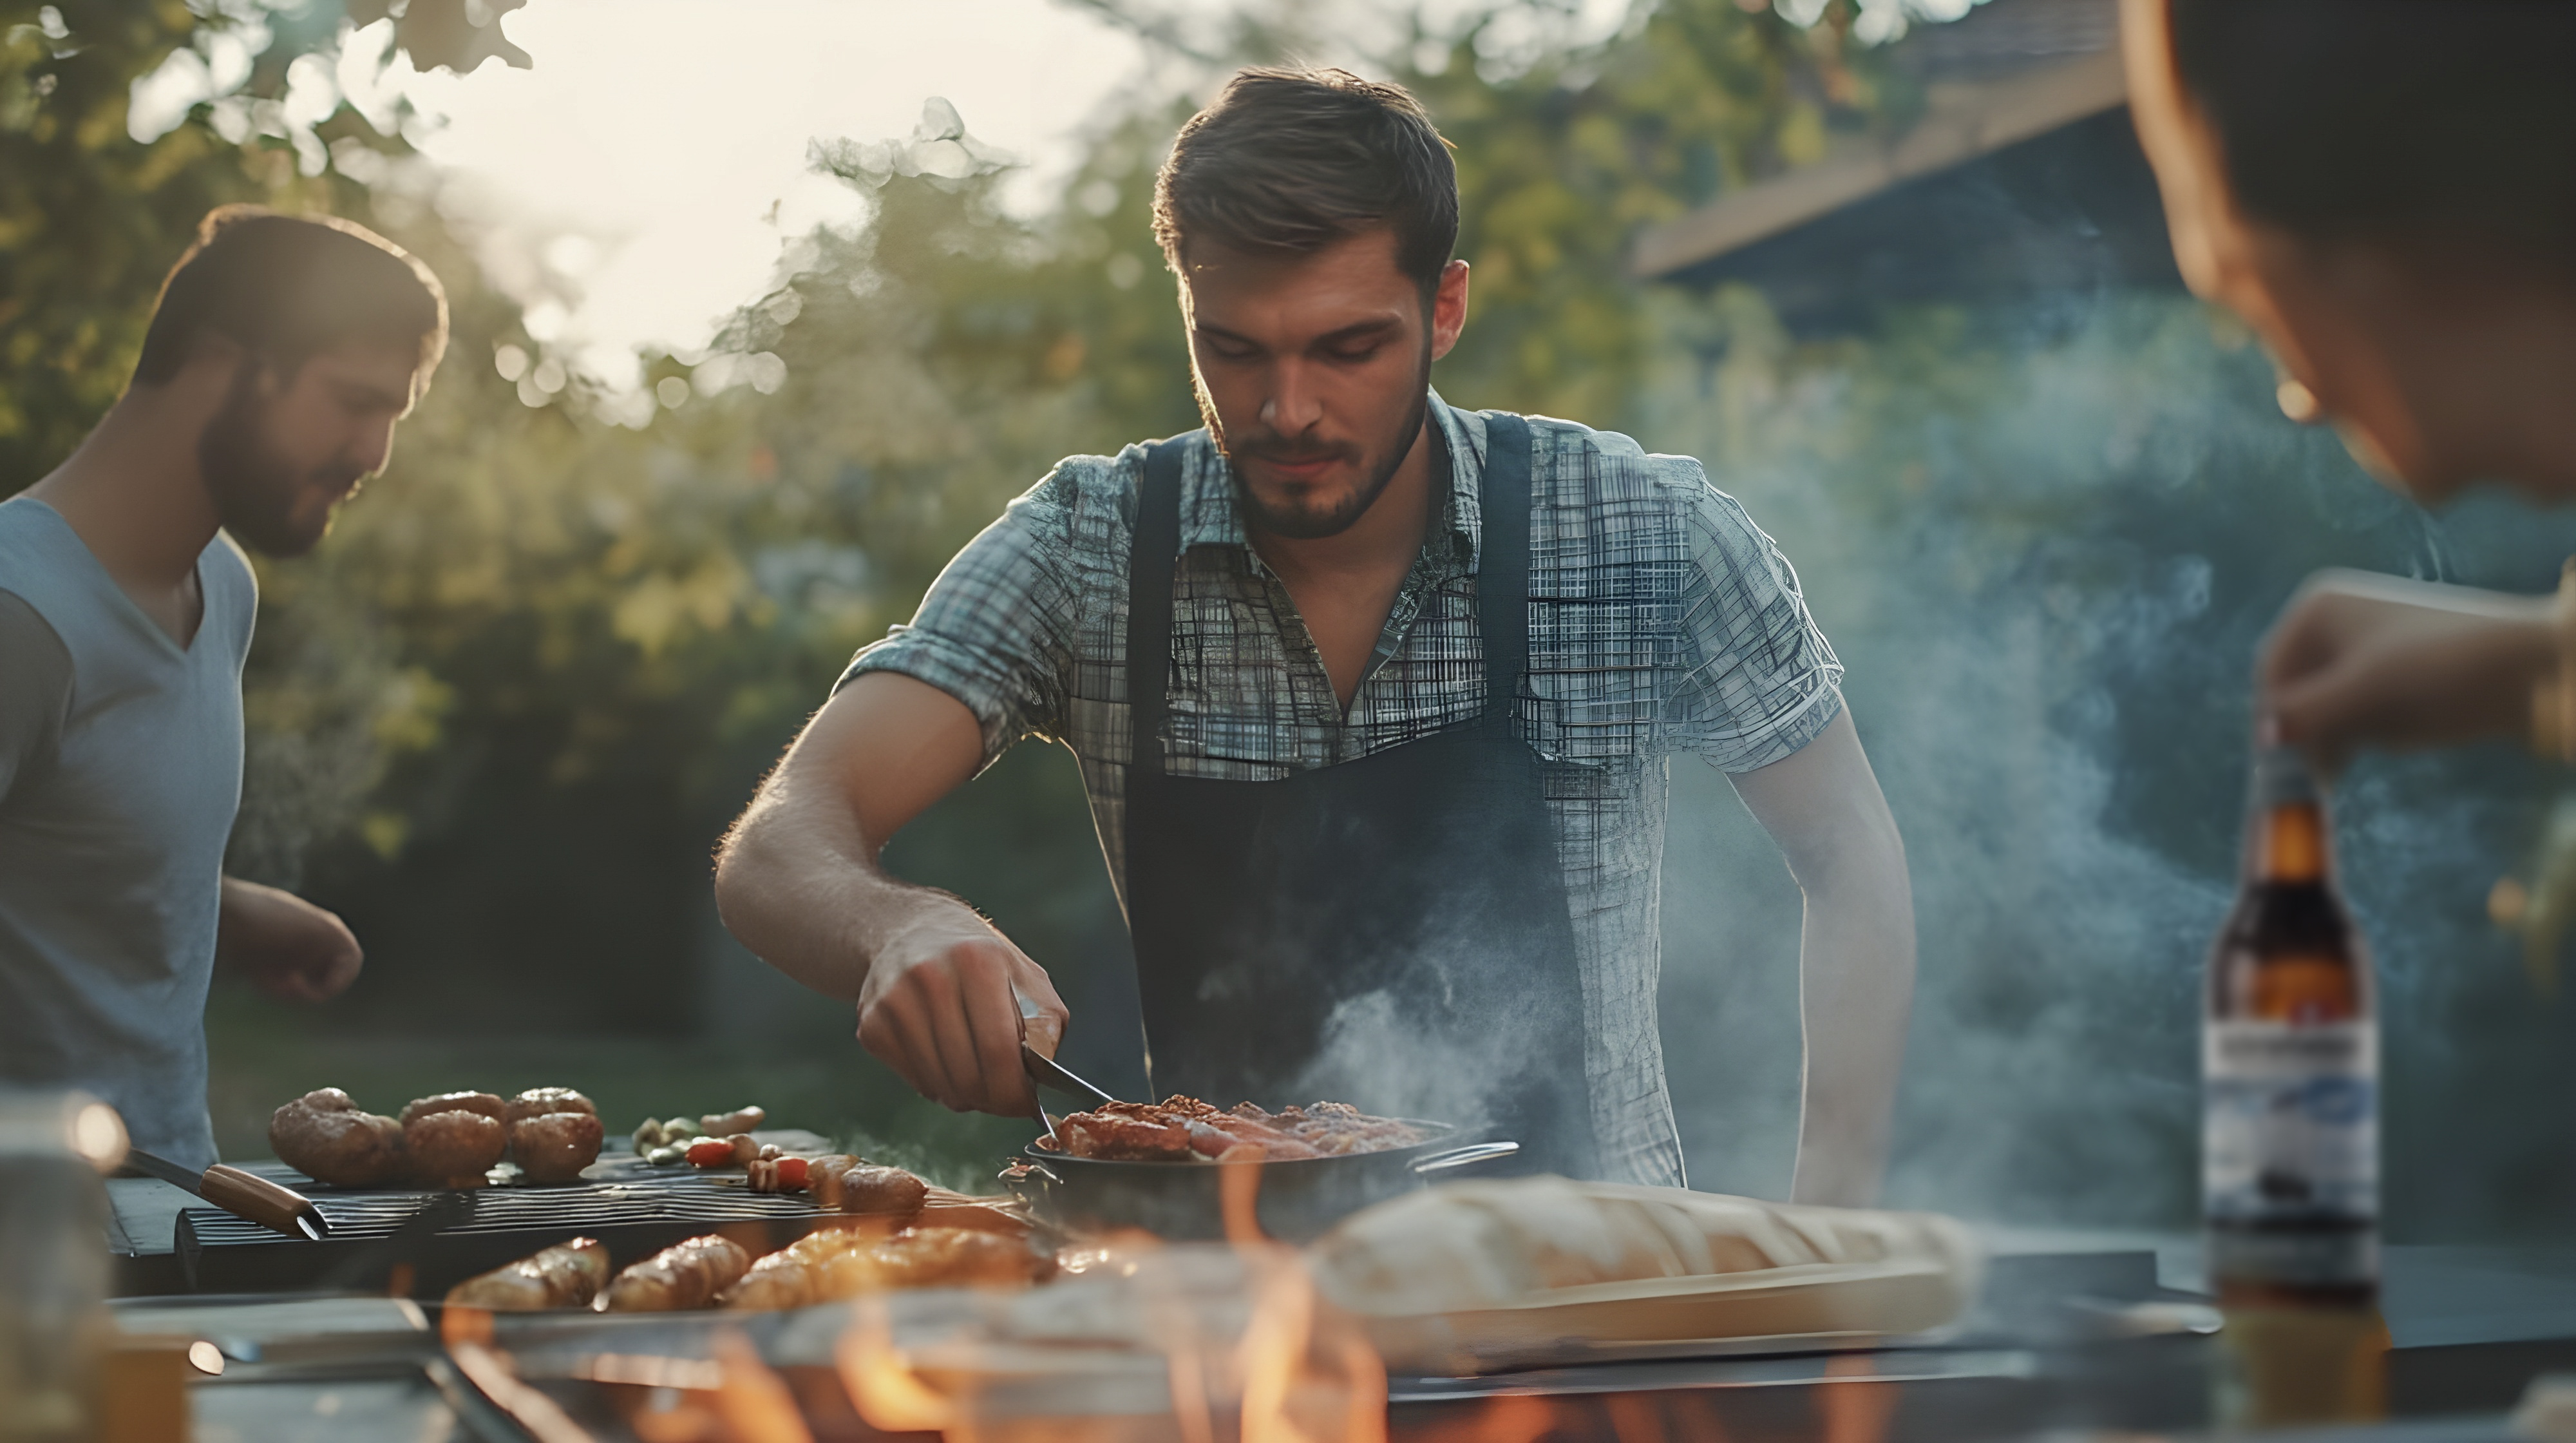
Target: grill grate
[(489, 1227)]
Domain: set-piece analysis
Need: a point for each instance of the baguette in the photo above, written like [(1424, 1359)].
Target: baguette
[(1476, 1245)]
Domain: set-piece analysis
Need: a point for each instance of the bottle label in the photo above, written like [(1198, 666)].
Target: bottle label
[(2291, 1127)]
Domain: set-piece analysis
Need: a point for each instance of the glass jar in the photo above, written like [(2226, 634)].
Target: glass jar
[(54, 1325)]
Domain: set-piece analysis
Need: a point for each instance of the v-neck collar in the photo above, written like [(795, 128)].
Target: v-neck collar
[(130, 611)]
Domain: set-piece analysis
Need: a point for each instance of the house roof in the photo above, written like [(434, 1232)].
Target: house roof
[(2009, 71)]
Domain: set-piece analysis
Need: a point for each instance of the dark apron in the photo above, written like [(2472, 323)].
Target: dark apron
[(1390, 932)]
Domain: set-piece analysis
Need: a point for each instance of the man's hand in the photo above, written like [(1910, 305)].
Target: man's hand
[(941, 1007), (798, 882), (288, 948), (2358, 660)]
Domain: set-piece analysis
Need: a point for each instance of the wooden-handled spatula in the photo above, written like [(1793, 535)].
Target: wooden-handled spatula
[(244, 1195)]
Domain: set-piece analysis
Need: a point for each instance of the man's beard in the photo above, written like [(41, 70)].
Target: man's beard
[(256, 490), (1307, 525)]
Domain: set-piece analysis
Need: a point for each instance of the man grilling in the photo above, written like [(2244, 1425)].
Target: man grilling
[(282, 352), (1373, 699)]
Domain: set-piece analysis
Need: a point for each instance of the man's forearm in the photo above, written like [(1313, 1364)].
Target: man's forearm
[(800, 887), (1856, 992)]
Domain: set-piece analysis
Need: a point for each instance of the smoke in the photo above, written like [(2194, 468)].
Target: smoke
[(1372, 1057), (2046, 548)]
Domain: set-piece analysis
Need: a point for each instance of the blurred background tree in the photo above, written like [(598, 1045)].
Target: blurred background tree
[(501, 717)]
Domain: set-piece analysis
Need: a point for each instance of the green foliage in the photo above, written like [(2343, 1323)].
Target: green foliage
[(86, 214), (1560, 165)]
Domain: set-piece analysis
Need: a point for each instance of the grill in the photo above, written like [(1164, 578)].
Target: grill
[(443, 1238)]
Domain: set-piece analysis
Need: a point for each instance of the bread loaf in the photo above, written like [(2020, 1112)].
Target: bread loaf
[(1475, 1245)]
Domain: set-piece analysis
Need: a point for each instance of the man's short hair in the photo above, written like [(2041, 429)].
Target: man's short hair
[(2394, 120), (1290, 161), (285, 287)]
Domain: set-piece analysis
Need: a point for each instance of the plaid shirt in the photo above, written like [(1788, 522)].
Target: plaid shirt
[(1662, 620)]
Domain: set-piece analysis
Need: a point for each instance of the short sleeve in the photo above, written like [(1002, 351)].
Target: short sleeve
[(230, 569), (1762, 681), (996, 630), (38, 694)]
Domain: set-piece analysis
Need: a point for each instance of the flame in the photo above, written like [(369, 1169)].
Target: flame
[(1239, 1189), (1298, 1372), (490, 1373), (464, 1325), (1306, 1378), (881, 1382), (1855, 1407), (1273, 1347), (755, 1403)]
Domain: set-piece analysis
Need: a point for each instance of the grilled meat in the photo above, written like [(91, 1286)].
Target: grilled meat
[(451, 1148), (684, 1275), (329, 1138), (567, 1275), (541, 1101), (556, 1146), (1180, 1129), (482, 1102)]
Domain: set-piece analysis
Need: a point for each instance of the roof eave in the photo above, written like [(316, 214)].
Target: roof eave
[(1959, 124)]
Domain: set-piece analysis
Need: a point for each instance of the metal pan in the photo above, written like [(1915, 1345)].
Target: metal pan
[(1297, 1202)]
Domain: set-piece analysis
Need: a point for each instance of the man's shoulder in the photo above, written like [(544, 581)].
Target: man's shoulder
[(43, 562), (1585, 466), (1089, 500), (1588, 470), (1090, 484)]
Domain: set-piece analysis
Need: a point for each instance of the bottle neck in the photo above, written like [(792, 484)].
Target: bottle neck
[(2290, 844)]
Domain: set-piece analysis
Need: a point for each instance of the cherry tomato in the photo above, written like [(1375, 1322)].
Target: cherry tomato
[(791, 1172), (711, 1152)]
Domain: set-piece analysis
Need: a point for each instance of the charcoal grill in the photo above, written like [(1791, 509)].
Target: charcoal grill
[(489, 1227)]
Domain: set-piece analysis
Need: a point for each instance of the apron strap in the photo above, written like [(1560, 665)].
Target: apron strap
[(1502, 561), (1150, 562)]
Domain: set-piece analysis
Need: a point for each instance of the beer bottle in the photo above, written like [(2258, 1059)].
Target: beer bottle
[(2290, 1068)]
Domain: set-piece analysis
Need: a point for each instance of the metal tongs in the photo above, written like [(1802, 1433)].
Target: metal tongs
[(1045, 1071), (244, 1195)]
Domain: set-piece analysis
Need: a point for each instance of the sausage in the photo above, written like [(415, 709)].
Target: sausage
[(482, 1102), (871, 1189), (684, 1275), (823, 1178), (328, 1138), (956, 1258), (567, 1275), (541, 1101), (452, 1148), (727, 1124), (927, 1258), (556, 1146), (780, 1280)]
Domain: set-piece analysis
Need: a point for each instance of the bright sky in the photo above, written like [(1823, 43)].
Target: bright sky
[(668, 137), (640, 181)]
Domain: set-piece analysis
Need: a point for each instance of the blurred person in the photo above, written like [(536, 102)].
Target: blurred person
[(281, 353), (1406, 678), (2385, 190)]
